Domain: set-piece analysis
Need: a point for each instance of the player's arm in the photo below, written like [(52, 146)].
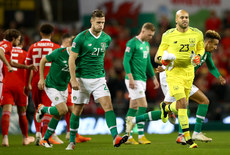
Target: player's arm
[(48, 58), (157, 58), (163, 56), (3, 58), (72, 58), (74, 52), (22, 66), (213, 70), (151, 73), (196, 55), (29, 73), (200, 45), (41, 83), (126, 64)]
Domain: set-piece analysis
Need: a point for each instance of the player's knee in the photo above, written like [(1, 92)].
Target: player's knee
[(206, 101), (108, 107), (63, 111), (21, 109)]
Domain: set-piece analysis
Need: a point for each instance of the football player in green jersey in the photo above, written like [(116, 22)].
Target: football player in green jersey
[(177, 46), (88, 76), (55, 86), (137, 63)]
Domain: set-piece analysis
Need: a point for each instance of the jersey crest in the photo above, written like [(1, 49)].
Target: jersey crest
[(192, 42), (103, 45), (127, 49)]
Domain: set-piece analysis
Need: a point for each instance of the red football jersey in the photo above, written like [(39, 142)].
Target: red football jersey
[(17, 77), (7, 47), (36, 52)]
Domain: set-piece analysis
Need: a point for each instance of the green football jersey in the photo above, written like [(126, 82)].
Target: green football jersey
[(58, 76), (137, 59), (91, 50)]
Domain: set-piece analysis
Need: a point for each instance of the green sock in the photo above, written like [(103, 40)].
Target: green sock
[(180, 130), (51, 128), (200, 116), (141, 125), (111, 122), (51, 110), (74, 124), (150, 116), (131, 112)]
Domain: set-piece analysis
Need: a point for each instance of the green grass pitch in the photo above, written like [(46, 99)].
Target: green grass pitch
[(102, 145)]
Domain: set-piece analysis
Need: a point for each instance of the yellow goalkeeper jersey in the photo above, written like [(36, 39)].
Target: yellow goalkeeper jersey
[(181, 44)]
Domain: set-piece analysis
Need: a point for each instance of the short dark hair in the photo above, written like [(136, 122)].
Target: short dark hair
[(65, 36), (11, 34), (46, 29), (149, 26), (211, 34), (97, 13)]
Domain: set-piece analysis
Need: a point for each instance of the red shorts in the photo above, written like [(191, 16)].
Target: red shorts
[(14, 96), (69, 103), (39, 96)]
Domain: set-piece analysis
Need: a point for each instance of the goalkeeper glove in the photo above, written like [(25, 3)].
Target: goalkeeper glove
[(195, 60), (167, 58), (165, 62)]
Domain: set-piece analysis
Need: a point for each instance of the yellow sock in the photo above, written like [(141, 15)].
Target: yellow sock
[(187, 135), (171, 107), (183, 120)]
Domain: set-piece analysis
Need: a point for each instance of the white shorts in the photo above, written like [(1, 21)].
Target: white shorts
[(97, 87), (139, 91), (165, 88), (56, 96)]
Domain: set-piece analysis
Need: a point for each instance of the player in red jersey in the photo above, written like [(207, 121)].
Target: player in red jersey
[(11, 36), (35, 54), (13, 85)]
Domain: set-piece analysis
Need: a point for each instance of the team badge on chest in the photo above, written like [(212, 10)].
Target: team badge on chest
[(103, 45), (192, 42)]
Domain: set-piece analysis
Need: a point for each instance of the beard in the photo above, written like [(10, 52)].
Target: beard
[(183, 26), (97, 30)]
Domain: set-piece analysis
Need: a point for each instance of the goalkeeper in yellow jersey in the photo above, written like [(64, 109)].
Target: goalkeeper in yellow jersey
[(180, 50)]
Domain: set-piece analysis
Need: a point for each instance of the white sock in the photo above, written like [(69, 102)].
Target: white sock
[(130, 137), (140, 136), (134, 120), (195, 133)]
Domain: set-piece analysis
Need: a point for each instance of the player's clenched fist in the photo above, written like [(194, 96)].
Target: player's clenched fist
[(74, 84), (167, 58)]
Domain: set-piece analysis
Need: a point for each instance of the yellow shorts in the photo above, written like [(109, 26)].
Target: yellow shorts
[(180, 83)]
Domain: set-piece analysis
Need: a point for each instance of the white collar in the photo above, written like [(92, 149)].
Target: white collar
[(17, 47), (67, 49), (6, 40), (45, 39), (140, 40), (94, 35)]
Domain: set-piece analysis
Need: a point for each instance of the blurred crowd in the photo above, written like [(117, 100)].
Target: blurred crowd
[(115, 74)]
